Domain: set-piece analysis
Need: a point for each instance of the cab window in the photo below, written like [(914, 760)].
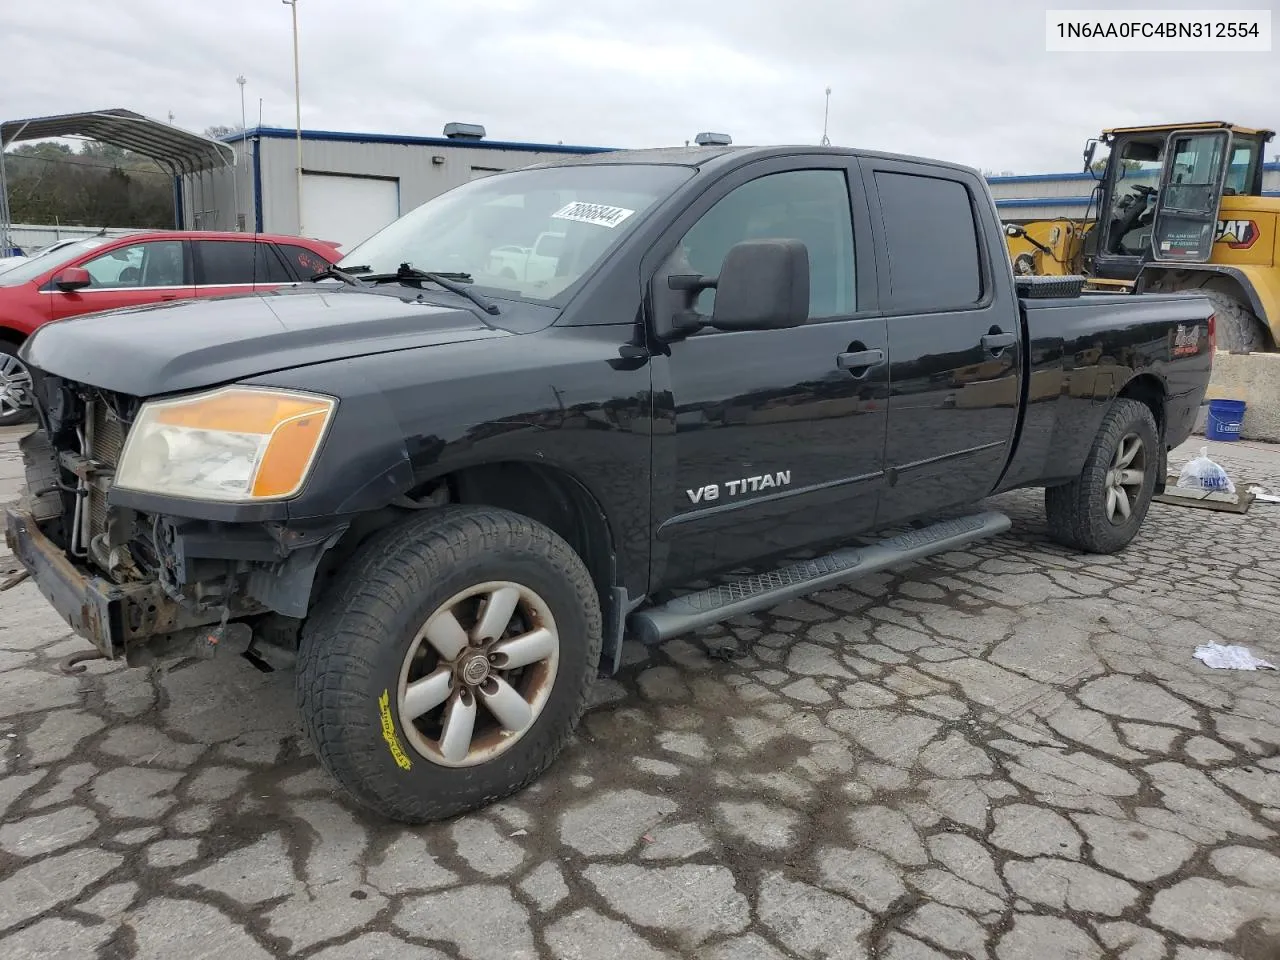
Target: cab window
[(811, 206), (155, 263), (305, 263), (1193, 177), (1240, 172), (224, 263), (930, 221)]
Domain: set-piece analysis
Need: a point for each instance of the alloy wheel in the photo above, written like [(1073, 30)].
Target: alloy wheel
[(1125, 477), (478, 673)]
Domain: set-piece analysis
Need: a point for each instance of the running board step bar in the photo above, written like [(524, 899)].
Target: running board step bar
[(761, 591)]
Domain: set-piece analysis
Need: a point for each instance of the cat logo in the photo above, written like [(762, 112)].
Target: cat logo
[(1236, 234)]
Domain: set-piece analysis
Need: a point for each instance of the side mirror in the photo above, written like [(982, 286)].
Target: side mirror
[(763, 285), (1089, 149), (72, 278)]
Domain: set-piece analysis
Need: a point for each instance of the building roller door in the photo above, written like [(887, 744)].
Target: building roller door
[(347, 210)]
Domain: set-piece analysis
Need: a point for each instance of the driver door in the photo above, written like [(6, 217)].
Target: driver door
[(1195, 171), (150, 271)]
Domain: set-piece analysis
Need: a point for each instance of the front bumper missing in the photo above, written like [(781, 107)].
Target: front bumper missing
[(111, 616)]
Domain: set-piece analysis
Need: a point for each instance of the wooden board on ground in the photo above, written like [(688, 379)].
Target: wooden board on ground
[(1238, 502)]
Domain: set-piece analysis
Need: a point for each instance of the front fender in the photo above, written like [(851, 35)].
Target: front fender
[(562, 399)]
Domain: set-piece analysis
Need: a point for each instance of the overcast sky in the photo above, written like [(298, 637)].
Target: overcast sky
[(963, 80)]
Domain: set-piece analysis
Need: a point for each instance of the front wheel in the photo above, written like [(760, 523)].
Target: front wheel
[(1103, 508), (15, 388), (450, 662)]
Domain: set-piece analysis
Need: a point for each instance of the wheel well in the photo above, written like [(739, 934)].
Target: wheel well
[(11, 337), (548, 495), (551, 497), (1147, 388)]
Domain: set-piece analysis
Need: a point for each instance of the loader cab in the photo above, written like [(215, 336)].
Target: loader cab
[(1159, 191)]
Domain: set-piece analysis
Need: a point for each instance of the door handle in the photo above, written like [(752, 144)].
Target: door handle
[(995, 342), (860, 362)]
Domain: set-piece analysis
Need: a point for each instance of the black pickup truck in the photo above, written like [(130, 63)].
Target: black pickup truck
[(447, 477)]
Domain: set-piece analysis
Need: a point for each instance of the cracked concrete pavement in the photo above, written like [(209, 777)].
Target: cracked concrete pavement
[(1006, 752)]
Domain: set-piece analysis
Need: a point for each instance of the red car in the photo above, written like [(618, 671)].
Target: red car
[(105, 273)]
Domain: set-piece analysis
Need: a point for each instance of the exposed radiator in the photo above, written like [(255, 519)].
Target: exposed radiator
[(106, 445)]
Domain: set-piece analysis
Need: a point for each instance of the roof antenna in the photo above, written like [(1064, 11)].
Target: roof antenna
[(826, 113)]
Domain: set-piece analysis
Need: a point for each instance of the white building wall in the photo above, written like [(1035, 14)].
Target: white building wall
[(421, 170), (420, 177)]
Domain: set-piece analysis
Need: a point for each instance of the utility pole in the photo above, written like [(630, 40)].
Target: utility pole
[(243, 156), (826, 113), (297, 103)]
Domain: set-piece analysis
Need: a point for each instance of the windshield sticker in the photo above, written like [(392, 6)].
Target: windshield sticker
[(597, 213)]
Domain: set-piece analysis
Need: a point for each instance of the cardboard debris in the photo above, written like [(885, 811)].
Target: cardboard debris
[(1238, 502), (1260, 494)]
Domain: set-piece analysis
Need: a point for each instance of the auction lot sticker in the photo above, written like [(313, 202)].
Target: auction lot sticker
[(597, 213)]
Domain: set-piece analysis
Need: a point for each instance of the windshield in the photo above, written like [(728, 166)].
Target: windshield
[(527, 234), (43, 262)]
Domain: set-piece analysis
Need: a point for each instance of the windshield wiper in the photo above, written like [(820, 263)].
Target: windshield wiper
[(453, 282), (333, 273)]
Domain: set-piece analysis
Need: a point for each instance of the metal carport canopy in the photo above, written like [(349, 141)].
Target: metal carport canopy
[(180, 151)]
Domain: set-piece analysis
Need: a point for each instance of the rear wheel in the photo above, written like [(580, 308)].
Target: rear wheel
[(15, 387), (1238, 328), (450, 662), (1102, 510)]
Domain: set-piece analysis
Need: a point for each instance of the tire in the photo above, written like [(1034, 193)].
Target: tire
[(1078, 512), (1239, 329), (361, 649), (15, 388)]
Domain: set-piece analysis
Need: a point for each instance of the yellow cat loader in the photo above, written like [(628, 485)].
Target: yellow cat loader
[(1176, 207)]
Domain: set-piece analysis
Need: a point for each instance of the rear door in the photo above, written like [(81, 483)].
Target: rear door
[(131, 275), (953, 339), (1195, 170)]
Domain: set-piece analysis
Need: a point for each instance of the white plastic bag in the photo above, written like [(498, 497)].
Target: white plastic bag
[(1203, 474)]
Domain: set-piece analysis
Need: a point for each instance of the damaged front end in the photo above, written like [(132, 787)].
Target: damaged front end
[(143, 585)]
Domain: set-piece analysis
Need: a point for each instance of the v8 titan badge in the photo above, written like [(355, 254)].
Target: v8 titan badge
[(735, 488)]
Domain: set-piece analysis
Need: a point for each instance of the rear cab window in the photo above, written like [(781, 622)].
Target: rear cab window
[(932, 243), (304, 263)]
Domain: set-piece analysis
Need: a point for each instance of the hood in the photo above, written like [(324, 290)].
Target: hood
[(152, 350)]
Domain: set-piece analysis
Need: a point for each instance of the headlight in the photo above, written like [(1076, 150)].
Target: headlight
[(236, 444)]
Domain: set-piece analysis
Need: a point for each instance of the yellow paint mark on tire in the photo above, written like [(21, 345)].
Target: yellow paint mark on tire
[(389, 732)]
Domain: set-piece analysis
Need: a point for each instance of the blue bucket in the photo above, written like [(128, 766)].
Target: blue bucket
[(1224, 420)]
